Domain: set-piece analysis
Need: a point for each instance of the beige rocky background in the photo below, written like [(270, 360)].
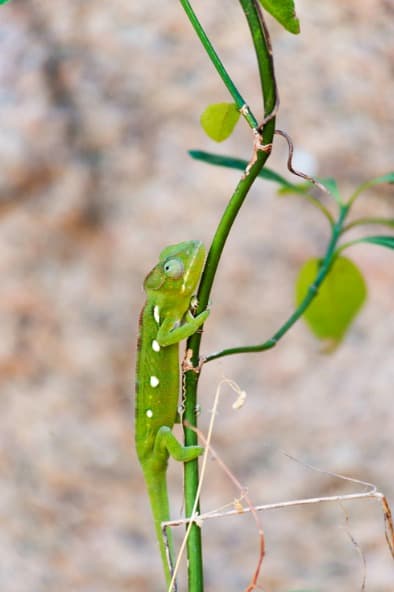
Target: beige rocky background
[(99, 103)]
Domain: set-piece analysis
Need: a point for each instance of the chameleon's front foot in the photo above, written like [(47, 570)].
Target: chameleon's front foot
[(166, 442)]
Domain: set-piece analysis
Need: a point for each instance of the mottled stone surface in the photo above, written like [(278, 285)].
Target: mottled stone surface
[(99, 103)]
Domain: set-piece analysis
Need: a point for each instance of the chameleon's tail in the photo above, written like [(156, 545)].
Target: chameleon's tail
[(157, 489)]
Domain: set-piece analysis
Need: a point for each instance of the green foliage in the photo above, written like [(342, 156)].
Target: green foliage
[(284, 12), (219, 120), (382, 241), (338, 301)]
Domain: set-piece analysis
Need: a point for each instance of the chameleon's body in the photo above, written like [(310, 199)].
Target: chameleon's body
[(165, 320)]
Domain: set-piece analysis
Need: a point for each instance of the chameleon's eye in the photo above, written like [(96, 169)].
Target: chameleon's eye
[(173, 268)]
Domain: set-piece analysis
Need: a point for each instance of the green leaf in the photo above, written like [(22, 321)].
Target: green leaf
[(284, 12), (382, 241), (218, 120), (338, 301), (240, 165)]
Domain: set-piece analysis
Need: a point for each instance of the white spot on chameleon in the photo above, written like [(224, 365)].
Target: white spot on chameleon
[(155, 346), (154, 381), (149, 413), (156, 314)]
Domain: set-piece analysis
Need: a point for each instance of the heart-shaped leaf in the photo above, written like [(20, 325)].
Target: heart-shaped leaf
[(218, 120)]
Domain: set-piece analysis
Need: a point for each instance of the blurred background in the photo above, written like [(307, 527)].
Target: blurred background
[(99, 103)]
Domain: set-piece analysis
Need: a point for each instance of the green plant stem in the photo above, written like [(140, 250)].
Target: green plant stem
[(327, 261), (264, 58), (262, 47), (216, 61), (193, 345)]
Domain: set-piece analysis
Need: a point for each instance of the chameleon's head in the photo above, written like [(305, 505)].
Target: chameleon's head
[(179, 269)]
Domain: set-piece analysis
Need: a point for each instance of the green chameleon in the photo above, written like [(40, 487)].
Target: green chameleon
[(165, 320)]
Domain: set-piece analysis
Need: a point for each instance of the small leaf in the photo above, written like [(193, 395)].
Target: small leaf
[(284, 12), (382, 241), (219, 120), (338, 301)]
